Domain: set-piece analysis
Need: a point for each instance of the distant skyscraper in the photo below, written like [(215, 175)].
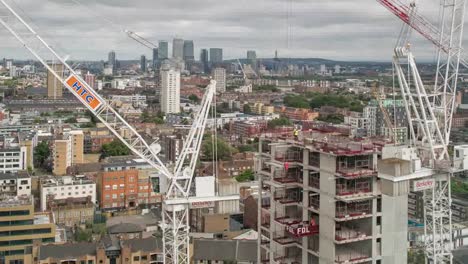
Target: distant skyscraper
[(8, 63), (13, 72), (251, 55), (204, 60), (90, 79), (219, 75), (163, 50), (323, 69), (111, 61), (216, 55), (170, 90), (155, 58), (54, 85), (188, 50), (143, 63), (252, 58), (178, 48), (337, 69)]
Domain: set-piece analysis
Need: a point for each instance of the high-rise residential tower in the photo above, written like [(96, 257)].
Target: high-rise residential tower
[(143, 63), (219, 75), (188, 51), (170, 90), (216, 55), (54, 85), (204, 59), (112, 61), (178, 48), (163, 50), (155, 58)]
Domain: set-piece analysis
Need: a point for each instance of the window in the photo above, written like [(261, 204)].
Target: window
[(114, 187), (144, 257), (90, 262), (136, 258), (24, 182)]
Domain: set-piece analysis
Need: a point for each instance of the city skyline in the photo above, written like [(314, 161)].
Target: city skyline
[(358, 31)]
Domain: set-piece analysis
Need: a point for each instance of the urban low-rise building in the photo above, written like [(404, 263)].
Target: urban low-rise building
[(15, 184), (20, 228), (109, 250), (57, 189)]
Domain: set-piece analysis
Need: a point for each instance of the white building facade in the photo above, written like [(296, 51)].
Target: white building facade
[(67, 187), (13, 159), (170, 91), (219, 75)]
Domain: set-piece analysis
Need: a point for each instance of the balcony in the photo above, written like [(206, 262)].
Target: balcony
[(287, 220), (288, 196), (346, 234), (353, 210), (314, 202), (356, 187), (283, 239), (314, 180), (288, 176), (290, 155), (356, 166), (351, 256)]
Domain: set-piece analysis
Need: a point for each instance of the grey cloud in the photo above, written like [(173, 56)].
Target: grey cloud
[(334, 29)]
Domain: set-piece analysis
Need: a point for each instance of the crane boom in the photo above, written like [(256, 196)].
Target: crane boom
[(40, 49), (419, 23), (141, 39), (175, 213)]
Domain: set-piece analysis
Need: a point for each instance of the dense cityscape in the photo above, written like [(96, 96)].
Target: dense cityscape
[(184, 156)]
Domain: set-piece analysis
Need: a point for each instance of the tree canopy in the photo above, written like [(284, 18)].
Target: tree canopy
[(245, 176), (41, 152), (115, 148), (282, 121), (317, 100), (225, 151), (194, 98)]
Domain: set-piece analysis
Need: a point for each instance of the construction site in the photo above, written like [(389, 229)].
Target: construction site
[(324, 195)]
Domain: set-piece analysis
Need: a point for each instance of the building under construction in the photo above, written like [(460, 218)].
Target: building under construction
[(321, 199)]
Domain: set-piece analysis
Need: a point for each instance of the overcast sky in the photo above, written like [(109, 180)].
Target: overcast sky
[(330, 29)]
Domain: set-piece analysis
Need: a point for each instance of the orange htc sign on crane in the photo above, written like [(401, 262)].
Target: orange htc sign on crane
[(80, 90)]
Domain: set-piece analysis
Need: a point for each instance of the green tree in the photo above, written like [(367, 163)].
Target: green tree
[(282, 121), (71, 120), (246, 148), (83, 235), (297, 101), (247, 109), (114, 148), (194, 98), (41, 152), (247, 175), (225, 151), (332, 118)]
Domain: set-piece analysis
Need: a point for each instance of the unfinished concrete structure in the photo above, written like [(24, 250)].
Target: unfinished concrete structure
[(321, 199)]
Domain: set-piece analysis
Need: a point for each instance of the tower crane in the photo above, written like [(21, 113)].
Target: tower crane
[(178, 196), (429, 113), (248, 87), (379, 96)]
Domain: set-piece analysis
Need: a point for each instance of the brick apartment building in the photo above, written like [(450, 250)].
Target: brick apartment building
[(126, 183)]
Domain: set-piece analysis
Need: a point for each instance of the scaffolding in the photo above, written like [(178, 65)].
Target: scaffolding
[(346, 187), (347, 232), (353, 209)]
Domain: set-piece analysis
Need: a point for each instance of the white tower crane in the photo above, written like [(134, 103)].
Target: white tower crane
[(429, 112), (178, 196)]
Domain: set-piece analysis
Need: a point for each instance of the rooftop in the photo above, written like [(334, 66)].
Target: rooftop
[(66, 180), (124, 161), (12, 176), (15, 201), (225, 250)]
